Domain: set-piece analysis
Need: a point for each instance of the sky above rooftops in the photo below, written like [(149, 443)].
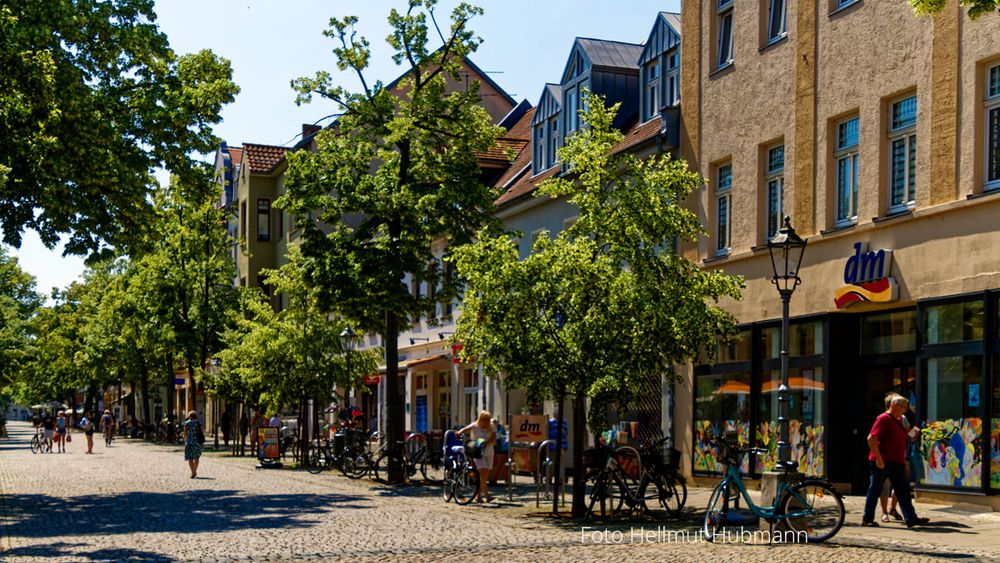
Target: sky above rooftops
[(525, 45)]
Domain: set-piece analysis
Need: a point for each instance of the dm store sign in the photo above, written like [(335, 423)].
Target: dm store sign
[(867, 278)]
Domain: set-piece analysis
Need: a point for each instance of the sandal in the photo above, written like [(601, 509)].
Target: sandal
[(895, 514), (885, 517), (869, 524)]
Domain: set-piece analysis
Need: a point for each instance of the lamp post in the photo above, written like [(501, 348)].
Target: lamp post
[(347, 342), (786, 250)]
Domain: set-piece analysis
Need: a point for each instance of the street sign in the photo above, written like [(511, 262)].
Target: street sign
[(179, 381)]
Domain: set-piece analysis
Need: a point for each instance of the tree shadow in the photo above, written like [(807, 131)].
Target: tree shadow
[(63, 551), (43, 516)]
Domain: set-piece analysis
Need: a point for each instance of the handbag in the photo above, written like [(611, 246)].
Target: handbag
[(69, 437), (474, 449), (201, 436)]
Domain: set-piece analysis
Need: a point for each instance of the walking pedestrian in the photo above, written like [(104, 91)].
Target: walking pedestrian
[(48, 426), (887, 442), (193, 438), (485, 435), (108, 427), (61, 431), (255, 423), (244, 430), (88, 430)]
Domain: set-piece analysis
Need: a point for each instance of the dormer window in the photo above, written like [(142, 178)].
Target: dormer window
[(651, 105), (672, 78), (538, 152), (572, 117), (553, 140)]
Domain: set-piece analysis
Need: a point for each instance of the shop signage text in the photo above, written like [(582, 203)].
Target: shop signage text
[(867, 278), (528, 428)]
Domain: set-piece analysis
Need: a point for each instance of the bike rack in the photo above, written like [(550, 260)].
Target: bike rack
[(510, 474), (542, 484)]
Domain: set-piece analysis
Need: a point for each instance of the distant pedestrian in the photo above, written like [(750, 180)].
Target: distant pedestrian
[(255, 423), (227, 424), (887, 442), (192, 442), (48, 426), (88, 430), (275, 421), (108, 427), (61, 431), (244, 430)]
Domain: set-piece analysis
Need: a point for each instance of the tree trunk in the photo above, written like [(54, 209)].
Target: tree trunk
[(579, 435), (393, 399), (557, 478), (88, 401), (171, 407)]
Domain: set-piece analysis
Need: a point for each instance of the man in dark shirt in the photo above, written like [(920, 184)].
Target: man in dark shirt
[(887, 442), (36, 419), (49, 426)]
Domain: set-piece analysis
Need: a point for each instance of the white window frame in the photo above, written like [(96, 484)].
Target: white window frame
[(724, 14), (846, 152), (991, 111), (723, 223), (653, 75), (777, 30), (552, 141), (540, 144), (906, 134), (774, 179), (671, 77)]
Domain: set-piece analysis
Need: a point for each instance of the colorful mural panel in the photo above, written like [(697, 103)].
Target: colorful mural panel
[(995, 453), (705, 452), (951, 453), (807, 446)]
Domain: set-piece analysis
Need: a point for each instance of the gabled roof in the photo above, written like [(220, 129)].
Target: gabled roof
[(235, 155), (665, 35), (549, 104), (263, 158), (610, 54), (521, 129)]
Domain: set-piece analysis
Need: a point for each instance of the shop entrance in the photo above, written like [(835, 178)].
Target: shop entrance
[(875, 382)]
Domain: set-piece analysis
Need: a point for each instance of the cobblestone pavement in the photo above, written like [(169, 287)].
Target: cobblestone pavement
[(134, 500)]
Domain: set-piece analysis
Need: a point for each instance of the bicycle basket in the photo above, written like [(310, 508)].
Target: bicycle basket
[(728, 454), (673, 458), (474, 449), (595, 458)]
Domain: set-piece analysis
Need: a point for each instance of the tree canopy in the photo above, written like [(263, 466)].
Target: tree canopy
[(92, 99), (976, 8), (608, 303)]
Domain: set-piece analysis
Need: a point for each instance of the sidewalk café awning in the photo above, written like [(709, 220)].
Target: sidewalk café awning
[(417, 361), (733, 387), (798, 383), (51, 405)]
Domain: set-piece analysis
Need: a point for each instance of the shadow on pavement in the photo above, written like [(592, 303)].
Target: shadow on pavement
[(60, 551), (41, 516)]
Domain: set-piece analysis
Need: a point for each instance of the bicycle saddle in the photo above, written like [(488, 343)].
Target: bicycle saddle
[(787, 466)]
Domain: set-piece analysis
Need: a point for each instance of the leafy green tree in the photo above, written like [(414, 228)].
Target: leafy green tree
[(92, 98), (18, 303), (977, 8), (398, 173), (606, 305), (289, 356)]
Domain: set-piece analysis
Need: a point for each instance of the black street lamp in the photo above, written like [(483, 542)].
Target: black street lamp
[(786, 249), (347, 342)]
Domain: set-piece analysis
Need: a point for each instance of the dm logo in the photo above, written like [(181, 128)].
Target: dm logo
[(866, 276)]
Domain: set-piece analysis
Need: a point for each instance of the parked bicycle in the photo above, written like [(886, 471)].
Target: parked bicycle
[(347, 451), (38, 441), (412, 456), (812, 507), (662, 489), (459, 475)]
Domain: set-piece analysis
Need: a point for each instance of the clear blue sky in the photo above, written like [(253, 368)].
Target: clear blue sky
[(270, 43)]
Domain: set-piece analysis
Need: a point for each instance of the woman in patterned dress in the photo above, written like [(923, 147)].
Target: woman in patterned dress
[(192, 449)]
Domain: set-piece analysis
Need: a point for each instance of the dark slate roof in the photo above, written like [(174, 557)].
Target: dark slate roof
[(613, 54)]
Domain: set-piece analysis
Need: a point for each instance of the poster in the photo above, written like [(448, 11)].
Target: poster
[(973, 394), (268, 440), (528, 428)]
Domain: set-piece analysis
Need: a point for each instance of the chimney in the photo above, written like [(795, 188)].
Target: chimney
[(310, 129)]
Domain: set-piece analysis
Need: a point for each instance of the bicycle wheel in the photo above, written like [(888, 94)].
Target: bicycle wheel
[(448, 485), (466, 484), (317, 460), (380, 469), (815, 509), (432, 468), (607, 495), (36, 444), (663, 495), (717, 513), (355, 465)]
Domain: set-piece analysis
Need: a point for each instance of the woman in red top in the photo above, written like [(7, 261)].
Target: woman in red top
[(887, 442)]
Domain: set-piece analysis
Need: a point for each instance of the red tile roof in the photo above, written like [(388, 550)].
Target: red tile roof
[(637, 135), (499, 151), (263, 158), (235, 155), (526, 184), (522, 129)]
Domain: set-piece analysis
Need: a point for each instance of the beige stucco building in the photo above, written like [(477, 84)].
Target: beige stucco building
[(873, 129)]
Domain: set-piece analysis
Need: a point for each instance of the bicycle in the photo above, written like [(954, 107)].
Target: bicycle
[(460, 477), (346, 451), (812, 507), (661, 487), (412, 455), (612, 485), (37, 441)]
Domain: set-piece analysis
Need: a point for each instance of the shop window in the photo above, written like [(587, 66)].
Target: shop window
[(806, 427), (954, 322), (995, 428), (952, 431), (444, 410), (889, 332), (804, 339), (420, 381), (722, 405), (444, 382), (735, 349)]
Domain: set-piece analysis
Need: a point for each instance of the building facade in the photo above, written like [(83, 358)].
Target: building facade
[(878, 133)]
